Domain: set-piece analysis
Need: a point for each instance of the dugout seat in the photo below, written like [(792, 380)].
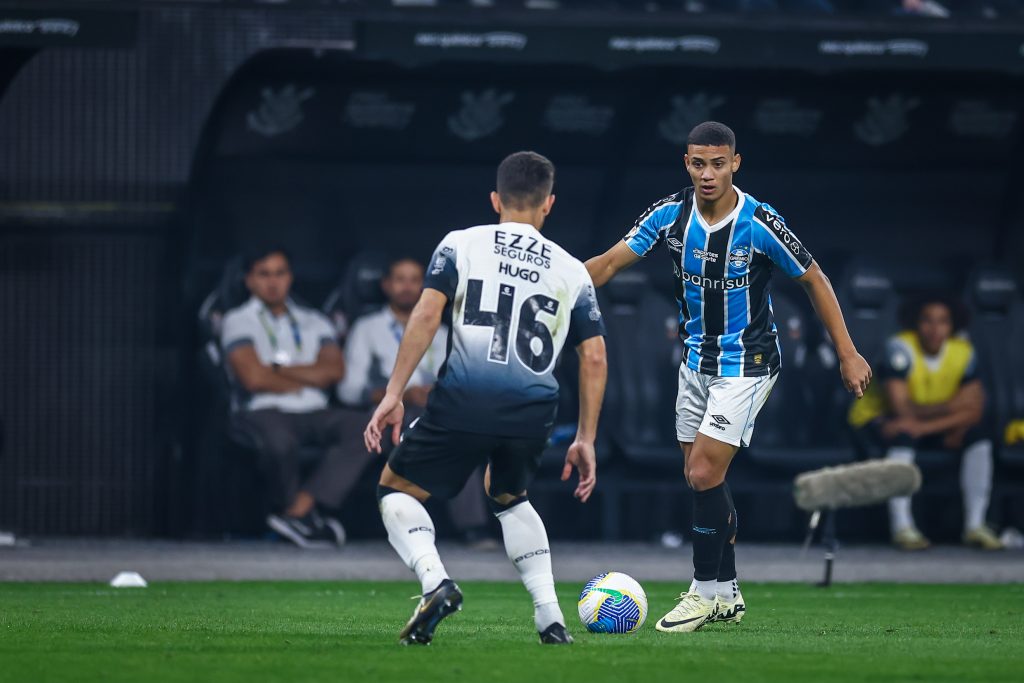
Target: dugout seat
[(643, 352), (869, 306), (783, 421), (222, 474), (637, 422), (229, 293), (358, 292), (997, 332), (786, 435), (225, 472)]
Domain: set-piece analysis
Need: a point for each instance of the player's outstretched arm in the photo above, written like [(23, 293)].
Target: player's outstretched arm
[(854, 369), (604, 267), (419, 334), (593, 376)]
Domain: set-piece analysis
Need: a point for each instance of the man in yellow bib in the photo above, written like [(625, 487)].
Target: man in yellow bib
[(930, 397)]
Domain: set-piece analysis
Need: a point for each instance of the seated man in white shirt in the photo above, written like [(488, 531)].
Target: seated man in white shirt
[(370, 353), (282, 358)]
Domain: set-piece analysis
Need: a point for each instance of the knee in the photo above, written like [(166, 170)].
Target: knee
[(702, 475), (505, 502)]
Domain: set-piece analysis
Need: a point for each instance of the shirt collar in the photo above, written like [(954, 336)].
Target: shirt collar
[(389, 316), (257, 305), (518, 224), (740, 197)]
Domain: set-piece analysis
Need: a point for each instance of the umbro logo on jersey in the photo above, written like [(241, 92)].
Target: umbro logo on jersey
[(674, 244), (705, 255), (721, 419)]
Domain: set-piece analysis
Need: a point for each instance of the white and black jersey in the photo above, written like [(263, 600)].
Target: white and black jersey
[(516, 298)]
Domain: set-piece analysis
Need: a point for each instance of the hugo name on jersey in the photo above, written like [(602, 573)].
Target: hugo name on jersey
[(721, 279), (516, 298)]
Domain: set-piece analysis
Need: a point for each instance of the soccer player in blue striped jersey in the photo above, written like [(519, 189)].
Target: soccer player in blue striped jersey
[(724, 246)]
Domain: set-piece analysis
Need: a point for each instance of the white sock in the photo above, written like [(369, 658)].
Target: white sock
[(411, 534), (526, 542), (900, 516), (976, 482), (727, 590), (706, 589)]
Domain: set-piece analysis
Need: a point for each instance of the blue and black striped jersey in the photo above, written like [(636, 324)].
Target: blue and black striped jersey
[(722, 273)]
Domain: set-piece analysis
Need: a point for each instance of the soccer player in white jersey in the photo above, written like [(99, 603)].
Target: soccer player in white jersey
[(724, 246), (516, 298)]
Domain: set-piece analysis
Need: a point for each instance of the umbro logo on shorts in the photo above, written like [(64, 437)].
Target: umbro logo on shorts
[(720, 419)]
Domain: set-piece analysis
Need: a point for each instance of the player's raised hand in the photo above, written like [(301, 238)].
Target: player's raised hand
[(581, 456), (389, 413), (856, 374)]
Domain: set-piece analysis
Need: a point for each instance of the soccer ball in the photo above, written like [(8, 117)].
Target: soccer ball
[(613, 603)]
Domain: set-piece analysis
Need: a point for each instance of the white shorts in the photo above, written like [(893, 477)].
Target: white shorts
[(723, 408)]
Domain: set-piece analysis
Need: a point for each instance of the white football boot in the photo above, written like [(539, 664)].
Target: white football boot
[(731, 611), (689, 614)]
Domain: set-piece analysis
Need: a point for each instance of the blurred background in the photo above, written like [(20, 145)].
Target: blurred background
[(145, 145)]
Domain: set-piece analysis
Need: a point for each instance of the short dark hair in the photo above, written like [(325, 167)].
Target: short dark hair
[(914, 306), (390, 270), (712, 134), (254, 253), (525, 179)]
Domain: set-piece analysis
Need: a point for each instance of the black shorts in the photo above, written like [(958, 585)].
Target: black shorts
[(440, 460)]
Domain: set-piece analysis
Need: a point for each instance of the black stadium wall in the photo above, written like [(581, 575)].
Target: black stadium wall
[(136, 161)]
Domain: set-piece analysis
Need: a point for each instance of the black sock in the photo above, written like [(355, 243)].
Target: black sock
[(727, 568), (711, 512)]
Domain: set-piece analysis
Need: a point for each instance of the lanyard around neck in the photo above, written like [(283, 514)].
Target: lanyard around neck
[(268, 328), (397, 330)]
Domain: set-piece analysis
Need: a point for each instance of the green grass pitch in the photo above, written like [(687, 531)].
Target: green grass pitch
[(346, 632)]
